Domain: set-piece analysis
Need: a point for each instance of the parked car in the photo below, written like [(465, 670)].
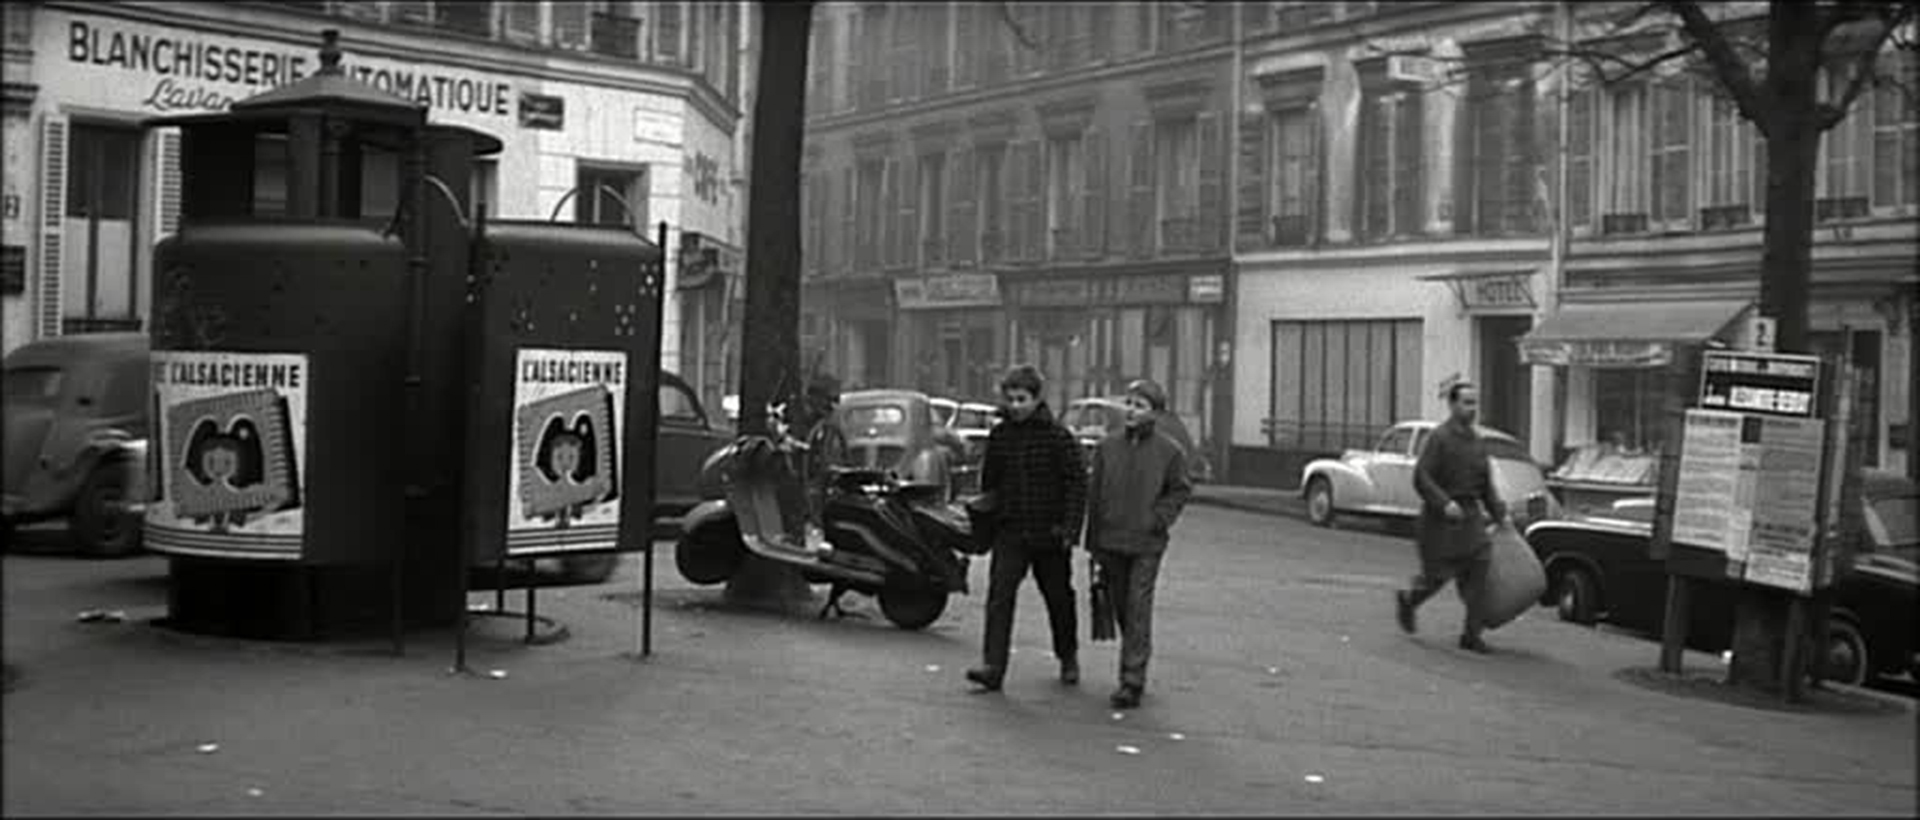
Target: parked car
[(1092, 418), (1600, 569), (76, 437), (1378, 482), (895, 430)]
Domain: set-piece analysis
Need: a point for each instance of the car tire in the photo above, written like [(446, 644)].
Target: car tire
[(1576, 596), (1846, 659), (1320, 502), (100, 526), (913, 608)]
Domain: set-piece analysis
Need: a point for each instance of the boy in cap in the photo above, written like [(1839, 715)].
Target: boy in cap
[(1139, 487)]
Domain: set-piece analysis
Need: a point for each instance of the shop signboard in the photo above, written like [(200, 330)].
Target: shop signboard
[(954, 291), (1775, 384), (1208, 289), (1596, 353), (564, 474), (230, 453)]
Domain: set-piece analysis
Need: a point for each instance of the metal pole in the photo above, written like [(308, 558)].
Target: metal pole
[(477, 311), (415, 237), (646, 562)]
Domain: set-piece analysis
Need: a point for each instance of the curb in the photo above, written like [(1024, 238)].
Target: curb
[(1279, 509)]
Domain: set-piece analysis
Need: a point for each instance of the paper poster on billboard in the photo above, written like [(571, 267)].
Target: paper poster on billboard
[(566, 466), (1707, 512), (230, 444), (1786, 503)]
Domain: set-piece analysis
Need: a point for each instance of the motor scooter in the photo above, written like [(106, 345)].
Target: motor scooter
[(863, 531)]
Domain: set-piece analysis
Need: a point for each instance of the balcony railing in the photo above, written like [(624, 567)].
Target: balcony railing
[(1180, 235), (1615, 224), (1292, 231), (993, 247), (82, 324), (1723, 217), (1831, 208)]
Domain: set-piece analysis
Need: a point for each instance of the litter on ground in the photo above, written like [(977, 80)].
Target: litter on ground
[(1314, 778), (207, 748), (1177, 736), (1128, 750), (497, 674)]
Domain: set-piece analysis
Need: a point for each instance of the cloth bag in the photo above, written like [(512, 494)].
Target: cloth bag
[(1100, 597), (1513, 583)]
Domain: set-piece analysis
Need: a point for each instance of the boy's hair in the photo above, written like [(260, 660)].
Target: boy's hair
[(1146, 388), (1023, 377), (1453, 390)]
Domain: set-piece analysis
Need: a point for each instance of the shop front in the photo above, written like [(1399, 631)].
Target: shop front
[(1092, 334), (712, 301), (952, 334), (93, 192), (1619, 362)]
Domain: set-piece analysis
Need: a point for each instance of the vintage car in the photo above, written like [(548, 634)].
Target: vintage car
[(1091, 419), (1600, 569), (76, 437), (974, 421), (1378, 482), (895, 430)]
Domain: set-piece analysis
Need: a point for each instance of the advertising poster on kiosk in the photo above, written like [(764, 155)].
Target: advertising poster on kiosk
[(230, 444), (1751, 462), (565, 471)]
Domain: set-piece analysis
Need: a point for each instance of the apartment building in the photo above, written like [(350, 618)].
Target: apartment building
[(1403, 170), (1053, 188), (610, 112)]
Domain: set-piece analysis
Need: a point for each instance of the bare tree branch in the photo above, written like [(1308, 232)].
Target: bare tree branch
[(1020, 33), (1831, 113), (1728, 68), (1598, 59)]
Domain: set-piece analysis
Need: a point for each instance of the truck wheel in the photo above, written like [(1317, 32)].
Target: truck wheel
[(1578, 597), (711, 555), (914, 608), (100, 525), (1847, 659)]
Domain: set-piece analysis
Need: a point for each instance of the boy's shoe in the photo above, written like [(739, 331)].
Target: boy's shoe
[(1070, 671), (987, 678), (1403, 609), (1125, 697), (1472, 643)]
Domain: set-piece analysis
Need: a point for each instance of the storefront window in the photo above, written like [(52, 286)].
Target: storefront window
[(1337, 384), (1627, 411)]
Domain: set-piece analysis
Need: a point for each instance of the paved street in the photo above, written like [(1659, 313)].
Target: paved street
[(1277, 667)]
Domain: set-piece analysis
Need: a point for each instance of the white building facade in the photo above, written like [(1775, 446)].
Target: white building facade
[(640, 99)]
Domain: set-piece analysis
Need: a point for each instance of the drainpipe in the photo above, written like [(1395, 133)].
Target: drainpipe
[(1546, 411), (1222, 421)]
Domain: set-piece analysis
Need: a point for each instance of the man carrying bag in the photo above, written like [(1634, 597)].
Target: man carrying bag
[(1458, 504)]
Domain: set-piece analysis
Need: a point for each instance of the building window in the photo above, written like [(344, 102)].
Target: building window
[(933, 209), (992, 203), (1896, 133), (1727, 191), (1296, 173), (1177, 149), (1391, 149), (1500, 194), (868, 216), (1337, 384), (1624, 151), (1672, 154), (1066, 176), (1627, 410), (272, 164), (1582, 132), (605, 195)]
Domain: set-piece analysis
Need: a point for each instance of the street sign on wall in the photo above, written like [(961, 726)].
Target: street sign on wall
[(1774, 384)]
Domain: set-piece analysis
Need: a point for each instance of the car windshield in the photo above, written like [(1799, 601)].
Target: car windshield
[(876, 419), (1086, 415), (1896, 520), (942, 413), (33, 385), (974, 420)]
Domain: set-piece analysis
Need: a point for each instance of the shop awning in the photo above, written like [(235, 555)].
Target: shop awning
[(1634, 334)]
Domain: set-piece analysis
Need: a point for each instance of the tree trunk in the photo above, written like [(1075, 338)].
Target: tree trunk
[(769, 359), (1786, 271)]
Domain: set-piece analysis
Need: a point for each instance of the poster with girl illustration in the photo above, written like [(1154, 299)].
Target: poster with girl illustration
[(567, 465), (228, 456)]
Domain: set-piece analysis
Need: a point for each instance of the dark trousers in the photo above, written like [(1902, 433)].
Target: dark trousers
[(1131, 578), (1052, 569), (1465, 573)]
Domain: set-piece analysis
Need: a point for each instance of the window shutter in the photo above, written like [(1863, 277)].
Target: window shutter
[(667, 27), (1580, 130), (1014, 184), (888, 215), (935, 48), (1211, 215), (1371, 206), (1252, 204), (519, 22), (908, 227), (53, 222), (1140, 194), (1521, 213), (961, 233), (166, 182), (570, 25), (1316, 175), (1409, 204), (1100, 34), (966, 54), (854, 80), (1255, 17), (843, 245), (1036, 172), (1093, 213)]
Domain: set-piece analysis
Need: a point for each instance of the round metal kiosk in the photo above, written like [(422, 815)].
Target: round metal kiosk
[(307, 364)]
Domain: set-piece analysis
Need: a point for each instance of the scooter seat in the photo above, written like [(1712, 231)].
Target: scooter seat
[(921, 492)]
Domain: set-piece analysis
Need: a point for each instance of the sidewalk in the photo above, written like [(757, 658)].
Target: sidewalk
[(1262, 500)]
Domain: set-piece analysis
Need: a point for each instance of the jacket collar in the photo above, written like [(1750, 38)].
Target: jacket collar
[(1040, 417), (1142, 431)]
